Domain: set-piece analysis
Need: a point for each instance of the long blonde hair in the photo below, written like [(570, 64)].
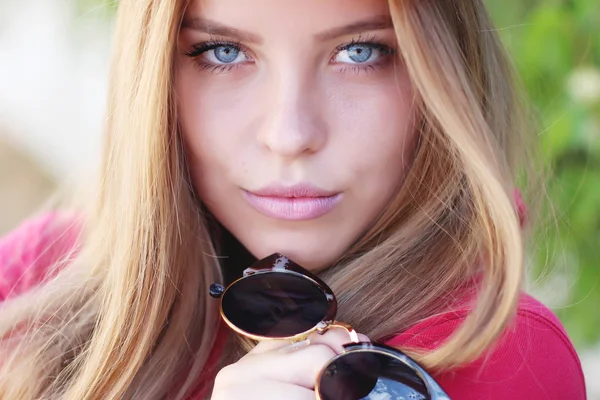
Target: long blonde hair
[(127, 314)]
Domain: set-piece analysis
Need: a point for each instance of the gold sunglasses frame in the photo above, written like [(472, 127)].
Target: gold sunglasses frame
[(278, 263)]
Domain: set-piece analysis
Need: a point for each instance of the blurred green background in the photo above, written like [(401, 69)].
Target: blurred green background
[(555, 45)]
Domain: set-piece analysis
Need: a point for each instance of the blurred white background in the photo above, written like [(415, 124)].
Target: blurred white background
[(53, 74), (53, 77)]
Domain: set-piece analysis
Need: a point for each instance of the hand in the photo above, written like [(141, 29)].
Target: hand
[(271, 371)]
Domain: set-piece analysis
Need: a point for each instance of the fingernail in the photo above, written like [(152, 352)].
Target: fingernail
[(364, 338)]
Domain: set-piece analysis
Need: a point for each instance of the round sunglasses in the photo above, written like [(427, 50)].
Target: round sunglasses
[(276, 299)]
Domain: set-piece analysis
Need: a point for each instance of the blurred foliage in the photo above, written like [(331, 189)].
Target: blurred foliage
[(555, 45), (103, 8)]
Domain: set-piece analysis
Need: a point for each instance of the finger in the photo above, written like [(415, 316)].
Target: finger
[(270, 345), (301, 367), (266, 391), (335, 338), (364, 338)]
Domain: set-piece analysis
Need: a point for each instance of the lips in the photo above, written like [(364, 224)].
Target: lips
[(295, 191), (292, 203)]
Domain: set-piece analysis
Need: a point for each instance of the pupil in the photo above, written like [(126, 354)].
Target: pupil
[(226, 54), (360, 53)]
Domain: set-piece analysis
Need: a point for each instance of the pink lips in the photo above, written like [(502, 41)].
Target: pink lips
[(292, 203)]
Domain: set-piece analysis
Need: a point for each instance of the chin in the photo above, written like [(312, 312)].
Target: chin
[(302, 258), (311, 256)]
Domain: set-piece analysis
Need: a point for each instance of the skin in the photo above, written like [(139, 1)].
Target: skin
[(292, 104), (271, 371)]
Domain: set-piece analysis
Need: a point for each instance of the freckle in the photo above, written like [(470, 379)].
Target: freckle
[(343, 104)]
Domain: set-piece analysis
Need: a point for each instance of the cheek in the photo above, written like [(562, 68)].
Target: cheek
[(376, 126), (204, 112)]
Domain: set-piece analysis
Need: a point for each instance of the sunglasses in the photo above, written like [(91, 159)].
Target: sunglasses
[(276, 299)]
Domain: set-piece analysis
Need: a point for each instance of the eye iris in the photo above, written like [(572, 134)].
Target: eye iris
[(226, 54), (359, 53)]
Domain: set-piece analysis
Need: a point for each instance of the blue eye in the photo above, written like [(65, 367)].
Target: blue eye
[(362, 53), (214, 54), (359, 53), (225, 54)]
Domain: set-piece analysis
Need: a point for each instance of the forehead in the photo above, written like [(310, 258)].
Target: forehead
[(279, 16)]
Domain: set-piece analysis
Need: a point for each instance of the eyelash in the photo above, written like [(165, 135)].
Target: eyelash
[(201, 48), (371, 41)]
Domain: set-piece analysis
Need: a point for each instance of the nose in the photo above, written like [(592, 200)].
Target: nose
[(292, 123)]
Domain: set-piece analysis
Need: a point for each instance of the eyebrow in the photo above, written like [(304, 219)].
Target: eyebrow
[(371, 24), (211, 27), (215, 28)]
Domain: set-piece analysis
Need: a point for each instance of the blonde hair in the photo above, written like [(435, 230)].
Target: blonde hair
[(127, 315)]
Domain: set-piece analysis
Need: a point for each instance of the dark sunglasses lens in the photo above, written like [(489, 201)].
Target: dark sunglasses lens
[(275, 304), (370, 375)]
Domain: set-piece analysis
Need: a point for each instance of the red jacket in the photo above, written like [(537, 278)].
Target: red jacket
[(533, 360)]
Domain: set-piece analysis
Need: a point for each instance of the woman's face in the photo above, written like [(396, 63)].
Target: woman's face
[(297, 117)]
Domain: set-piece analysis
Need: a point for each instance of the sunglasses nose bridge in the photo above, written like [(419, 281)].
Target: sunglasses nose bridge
[(324, 326)]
